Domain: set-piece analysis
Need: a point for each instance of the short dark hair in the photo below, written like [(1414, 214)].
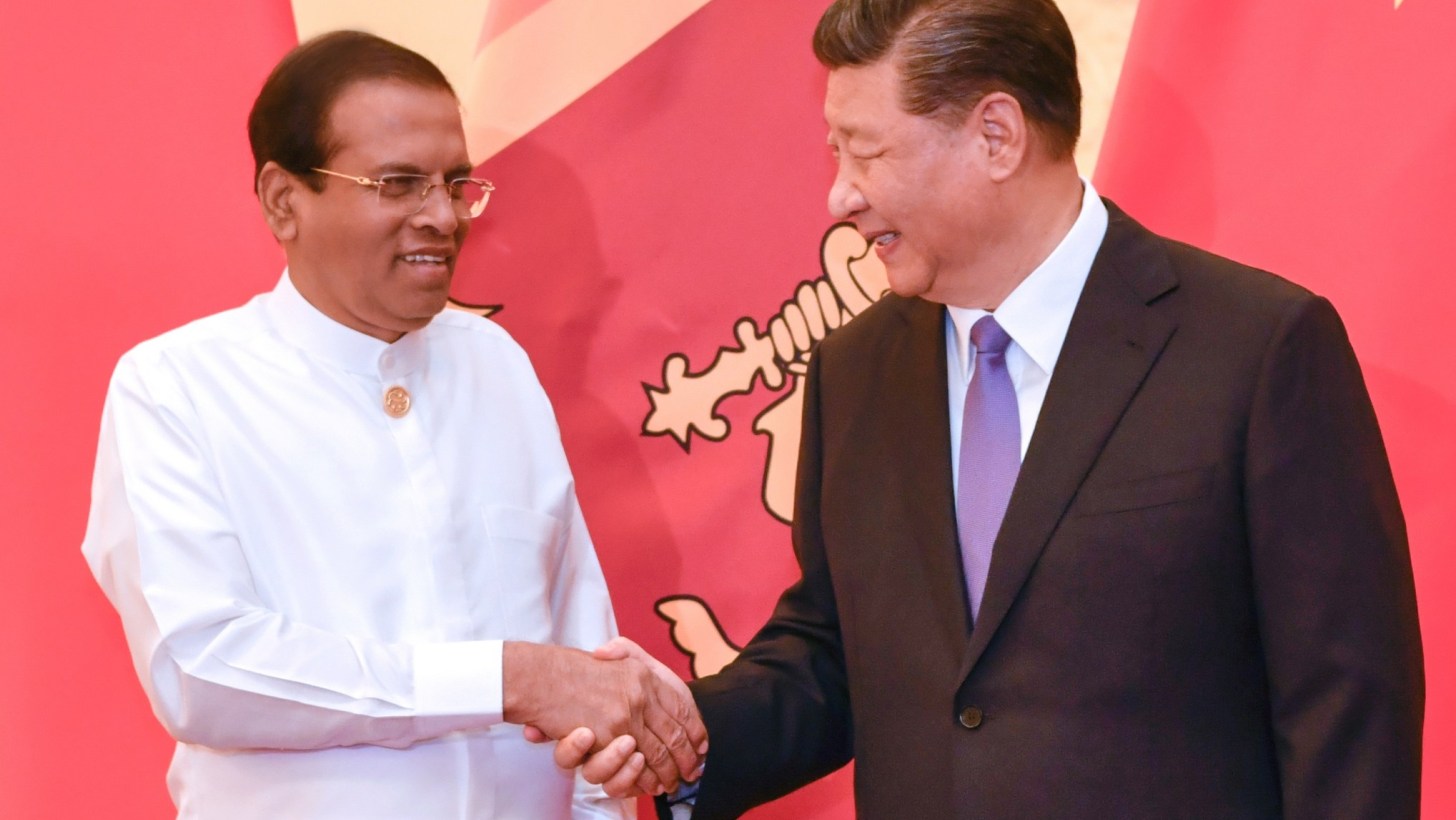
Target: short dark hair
[(951, 53), (289, 123)]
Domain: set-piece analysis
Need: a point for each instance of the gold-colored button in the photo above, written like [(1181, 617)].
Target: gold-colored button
[(396, 401), (971, 717)]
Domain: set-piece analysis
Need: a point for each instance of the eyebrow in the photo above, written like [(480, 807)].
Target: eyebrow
[(399, 168), (846, 131), (851, 137), (456, 172)]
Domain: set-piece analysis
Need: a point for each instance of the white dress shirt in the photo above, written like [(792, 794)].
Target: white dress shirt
[(1036, 316), (315, 592)]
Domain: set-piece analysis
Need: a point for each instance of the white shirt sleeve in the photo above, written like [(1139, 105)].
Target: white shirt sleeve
[(221, 667)]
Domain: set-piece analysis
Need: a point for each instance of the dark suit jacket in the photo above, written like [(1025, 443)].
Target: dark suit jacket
[(1200, 602)]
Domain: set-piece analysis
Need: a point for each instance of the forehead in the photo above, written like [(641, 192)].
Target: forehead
[(858, 99), (389, 122)]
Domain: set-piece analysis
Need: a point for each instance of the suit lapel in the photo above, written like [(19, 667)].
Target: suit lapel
[(916, 378), (1114, 339)]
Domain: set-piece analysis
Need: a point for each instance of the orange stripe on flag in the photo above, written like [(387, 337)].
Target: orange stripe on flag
[(500, 15), (560, 51)]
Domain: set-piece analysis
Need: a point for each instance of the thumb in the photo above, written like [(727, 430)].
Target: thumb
[(573, 749), (618, 648)]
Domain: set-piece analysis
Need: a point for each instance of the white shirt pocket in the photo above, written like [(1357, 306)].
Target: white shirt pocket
[(525, 550)]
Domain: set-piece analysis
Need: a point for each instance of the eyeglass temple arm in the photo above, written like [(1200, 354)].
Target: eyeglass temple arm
[(360, 180)]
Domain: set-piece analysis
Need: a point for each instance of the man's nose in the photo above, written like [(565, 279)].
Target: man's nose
[(845, 199), (438, 211)]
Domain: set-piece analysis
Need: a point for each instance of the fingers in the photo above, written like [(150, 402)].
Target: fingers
[(697, 732), (683, 710), (624, 782), (616, 768), (534, 735), (619, 689), (658, 758), (675, 723), (647, 783), (673, 757), (573, 749)]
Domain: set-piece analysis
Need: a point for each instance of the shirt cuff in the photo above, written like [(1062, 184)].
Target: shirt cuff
[(681, 801), (459, 678)]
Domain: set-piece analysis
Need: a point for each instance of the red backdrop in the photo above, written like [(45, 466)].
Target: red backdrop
[(129, 213), (1313, 138), (681, 194)]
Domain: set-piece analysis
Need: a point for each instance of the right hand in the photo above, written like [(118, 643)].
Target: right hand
[(611, 694), (616, 766)]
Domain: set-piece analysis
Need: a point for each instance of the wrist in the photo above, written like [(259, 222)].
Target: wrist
[(519, 660)]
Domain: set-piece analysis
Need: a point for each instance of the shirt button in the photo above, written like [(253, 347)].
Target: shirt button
[(971, 717), (396, 402)]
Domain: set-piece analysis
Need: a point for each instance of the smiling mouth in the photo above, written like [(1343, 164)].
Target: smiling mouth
[(881, 240), (881, 237), (424, 259)]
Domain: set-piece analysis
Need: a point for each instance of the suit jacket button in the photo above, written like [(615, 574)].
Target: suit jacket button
[(970, 717)]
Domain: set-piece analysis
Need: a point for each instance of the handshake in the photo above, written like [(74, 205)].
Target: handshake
[(626, 719)]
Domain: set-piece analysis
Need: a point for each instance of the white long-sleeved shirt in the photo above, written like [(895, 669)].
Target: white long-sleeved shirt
[(315, 592)]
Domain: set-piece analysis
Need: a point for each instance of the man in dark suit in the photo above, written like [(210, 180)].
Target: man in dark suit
[(1091, 523)]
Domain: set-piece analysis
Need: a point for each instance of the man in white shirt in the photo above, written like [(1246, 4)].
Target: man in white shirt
[(338, 524)]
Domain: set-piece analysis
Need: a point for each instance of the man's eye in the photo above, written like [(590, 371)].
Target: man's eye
[(394, 187)]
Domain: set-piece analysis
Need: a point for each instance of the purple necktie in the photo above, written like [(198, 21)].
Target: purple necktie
[(990, 455)]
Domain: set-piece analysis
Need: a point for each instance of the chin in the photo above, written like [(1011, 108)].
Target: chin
[(414, 323), (414, 320), (907, 287), (429, 304)]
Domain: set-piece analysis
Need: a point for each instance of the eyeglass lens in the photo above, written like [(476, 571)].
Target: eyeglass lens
[(408, 194)]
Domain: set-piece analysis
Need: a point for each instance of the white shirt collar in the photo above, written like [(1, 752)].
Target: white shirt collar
[(1038, 312), (305, 327)]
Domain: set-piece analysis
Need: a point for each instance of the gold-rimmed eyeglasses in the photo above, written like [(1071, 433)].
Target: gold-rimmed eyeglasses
[(406, 194)]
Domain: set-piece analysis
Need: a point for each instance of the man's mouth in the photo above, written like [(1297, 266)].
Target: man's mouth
[(882, 239), (424, 259)]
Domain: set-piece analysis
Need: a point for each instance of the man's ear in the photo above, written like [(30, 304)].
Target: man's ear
[(1001, 127), (277, 191)]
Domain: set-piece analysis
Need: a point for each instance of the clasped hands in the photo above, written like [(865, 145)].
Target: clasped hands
[(619, 713)]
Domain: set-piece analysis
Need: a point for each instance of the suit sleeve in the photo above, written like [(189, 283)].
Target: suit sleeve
[(778, 716), (1333, 584)]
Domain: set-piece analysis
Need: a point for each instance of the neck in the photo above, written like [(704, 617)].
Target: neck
[(309, 285), (1038, 208)]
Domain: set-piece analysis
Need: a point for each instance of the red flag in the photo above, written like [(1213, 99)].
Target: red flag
[(126, 213), (638, 238), (1313, 138)]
